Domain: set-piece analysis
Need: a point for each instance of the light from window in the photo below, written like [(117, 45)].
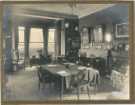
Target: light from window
[(36, 41), (21, 31), (36, 35), (51, 42)]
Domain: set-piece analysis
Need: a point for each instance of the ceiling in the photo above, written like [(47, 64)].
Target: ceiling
[(79, 10), (113, 15)]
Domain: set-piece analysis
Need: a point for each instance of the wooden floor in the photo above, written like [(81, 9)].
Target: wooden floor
[(23, 85)]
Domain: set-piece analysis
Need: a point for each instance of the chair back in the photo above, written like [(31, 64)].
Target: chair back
[(77, 79), (93, 76), (117, 79), (81, 76), (44, 75)]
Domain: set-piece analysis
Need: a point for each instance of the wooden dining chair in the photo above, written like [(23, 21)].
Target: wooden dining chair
[(44, 77), (78, 82), (117, 79), (94, 78)]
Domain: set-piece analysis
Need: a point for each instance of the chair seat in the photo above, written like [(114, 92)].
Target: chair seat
[(45, 77), (80, 83), (84, 82)]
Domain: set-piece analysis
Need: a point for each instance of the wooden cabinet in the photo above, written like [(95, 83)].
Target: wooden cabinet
[(72, 39)]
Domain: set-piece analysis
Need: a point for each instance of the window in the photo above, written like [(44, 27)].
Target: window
[(21, 30), (51, 42), (36, 41), (98, 34)]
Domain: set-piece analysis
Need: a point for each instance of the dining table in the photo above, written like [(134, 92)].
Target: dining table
[(61, 70), (65, 72)]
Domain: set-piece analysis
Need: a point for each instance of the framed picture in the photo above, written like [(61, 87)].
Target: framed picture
[(43, 69), (121, 30)]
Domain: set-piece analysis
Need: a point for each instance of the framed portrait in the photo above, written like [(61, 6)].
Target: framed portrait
[(122, 30), (39, 52)]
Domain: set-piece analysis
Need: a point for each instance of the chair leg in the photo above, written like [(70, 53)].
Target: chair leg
[(78, 93), (88, 91), (95, 89), (39, 85), (50, 87)]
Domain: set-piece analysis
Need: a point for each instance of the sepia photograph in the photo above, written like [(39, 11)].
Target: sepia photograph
[(65, 51)]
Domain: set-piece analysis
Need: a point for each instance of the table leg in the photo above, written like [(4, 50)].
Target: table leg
[(62, 87)]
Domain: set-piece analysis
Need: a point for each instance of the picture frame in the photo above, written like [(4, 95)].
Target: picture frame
[(122, 30), (131, 56)]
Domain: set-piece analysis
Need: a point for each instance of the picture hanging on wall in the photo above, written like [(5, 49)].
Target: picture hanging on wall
[(121, 30)]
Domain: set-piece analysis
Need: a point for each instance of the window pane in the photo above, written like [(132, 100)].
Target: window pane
[(21, 50), (34, 48), (36, 35), (21, 30), (51, 35), (36, 45), (51, 41), (51, 48), (36, 41), (21, 33)]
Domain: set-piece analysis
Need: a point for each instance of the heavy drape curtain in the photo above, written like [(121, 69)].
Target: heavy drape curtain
[(26, 44), (15, 42), (45, 36), (57, 39)]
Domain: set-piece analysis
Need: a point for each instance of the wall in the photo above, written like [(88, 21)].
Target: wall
[(110, 15), (62, 39), (7, 34), (108, 18), (133, 73)]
